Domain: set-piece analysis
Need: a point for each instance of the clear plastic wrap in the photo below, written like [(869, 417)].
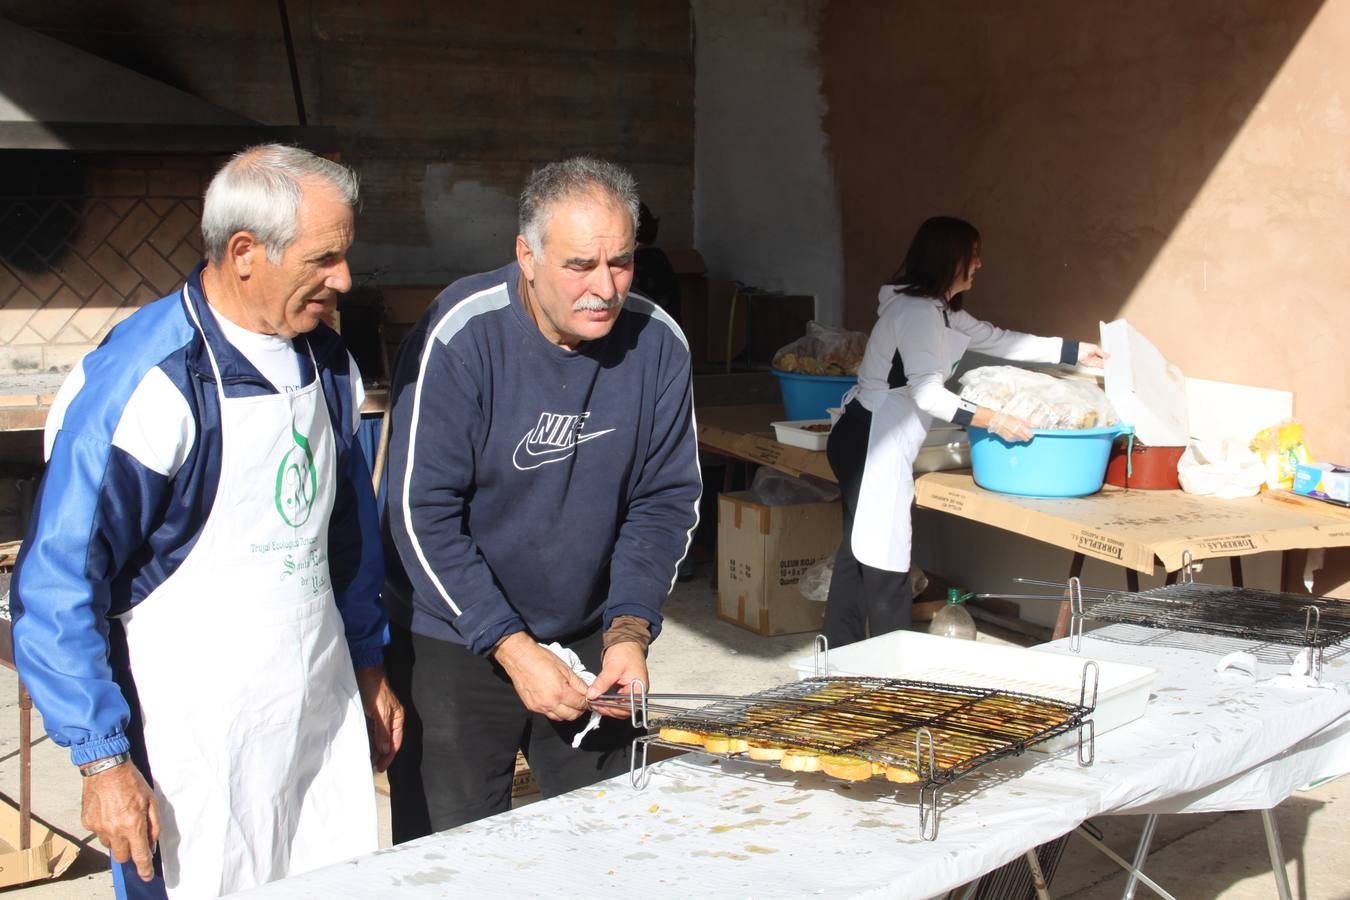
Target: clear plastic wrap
[(825, 350), (774, 488), (1043, 401), (814, 583)]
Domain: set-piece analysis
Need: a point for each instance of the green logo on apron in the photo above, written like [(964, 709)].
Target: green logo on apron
[(297, 482)]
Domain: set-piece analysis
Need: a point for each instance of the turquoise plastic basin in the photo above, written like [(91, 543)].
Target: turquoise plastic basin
[(1054, 463), (811, 396)]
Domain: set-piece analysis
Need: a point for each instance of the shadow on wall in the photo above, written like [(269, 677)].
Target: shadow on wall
[(1074, 134)]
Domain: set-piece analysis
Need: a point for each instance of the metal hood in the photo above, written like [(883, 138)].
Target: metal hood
[(56, 97)]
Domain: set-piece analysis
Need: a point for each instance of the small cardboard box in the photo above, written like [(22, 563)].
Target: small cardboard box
[(762, 552), (1323, 481)]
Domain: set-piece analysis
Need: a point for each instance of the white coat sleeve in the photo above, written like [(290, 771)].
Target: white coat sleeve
[(1014, 345)]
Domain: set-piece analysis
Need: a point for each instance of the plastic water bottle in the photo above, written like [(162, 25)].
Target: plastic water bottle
[(954, 620)]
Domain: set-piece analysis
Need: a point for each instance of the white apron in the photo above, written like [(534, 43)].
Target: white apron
[(253, 723), (881, 525)]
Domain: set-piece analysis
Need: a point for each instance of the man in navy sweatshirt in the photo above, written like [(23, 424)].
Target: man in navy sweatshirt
[(543, 489)]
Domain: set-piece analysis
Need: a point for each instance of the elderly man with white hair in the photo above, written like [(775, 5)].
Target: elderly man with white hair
[(197, 610), (544, 484)]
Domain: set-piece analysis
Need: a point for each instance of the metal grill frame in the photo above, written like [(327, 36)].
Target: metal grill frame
[(726, 716), (1305, 623)]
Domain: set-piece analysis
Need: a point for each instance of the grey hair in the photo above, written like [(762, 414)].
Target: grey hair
[(579, 176), (259, 191)]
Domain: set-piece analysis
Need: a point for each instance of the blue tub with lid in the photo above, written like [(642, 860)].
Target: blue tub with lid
[(811, 396), (1054, 463)]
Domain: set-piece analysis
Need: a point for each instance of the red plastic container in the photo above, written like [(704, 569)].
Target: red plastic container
[(1150, 468)]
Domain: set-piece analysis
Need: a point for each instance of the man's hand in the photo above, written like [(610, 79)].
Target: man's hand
[(119, 808), (384, 716), (543, 681), (624, 663)]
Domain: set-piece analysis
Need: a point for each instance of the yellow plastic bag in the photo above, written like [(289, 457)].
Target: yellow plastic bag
[(1282, 449)]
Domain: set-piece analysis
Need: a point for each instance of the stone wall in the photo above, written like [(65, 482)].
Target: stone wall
[(443, 108)]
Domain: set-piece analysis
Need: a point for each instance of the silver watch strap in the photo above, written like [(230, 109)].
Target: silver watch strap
[(103, 765)]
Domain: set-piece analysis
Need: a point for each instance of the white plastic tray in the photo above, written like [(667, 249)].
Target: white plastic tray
[(798, 435), (1122, 689), (945, 436)]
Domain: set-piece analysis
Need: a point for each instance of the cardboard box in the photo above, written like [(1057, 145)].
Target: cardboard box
[(522, 782), (762, 552), (1323, 481), (47, 856)]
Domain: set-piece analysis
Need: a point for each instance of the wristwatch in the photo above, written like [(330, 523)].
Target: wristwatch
[(104, 764)]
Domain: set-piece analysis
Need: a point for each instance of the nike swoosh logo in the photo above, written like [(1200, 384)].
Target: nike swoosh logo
[(536, 458)]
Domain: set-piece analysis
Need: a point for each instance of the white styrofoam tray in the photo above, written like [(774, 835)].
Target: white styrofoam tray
[(1122, 689), (797, 434)]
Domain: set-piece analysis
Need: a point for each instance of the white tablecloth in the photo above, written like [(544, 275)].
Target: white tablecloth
[(734, 830)]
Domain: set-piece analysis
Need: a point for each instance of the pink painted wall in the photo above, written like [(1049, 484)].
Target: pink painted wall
[(1186, 166)]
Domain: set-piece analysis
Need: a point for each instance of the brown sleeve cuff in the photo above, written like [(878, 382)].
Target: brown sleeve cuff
[(627, 628)]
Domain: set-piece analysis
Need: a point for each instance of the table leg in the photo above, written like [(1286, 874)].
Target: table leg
[(1235, 566), (1118, 860), (1141, 854), (1037, 876), (1062, 620), (25, 767), (1132, 581), (1276, 854)]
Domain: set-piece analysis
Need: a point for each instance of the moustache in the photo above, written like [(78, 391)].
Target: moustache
[(596, 304)]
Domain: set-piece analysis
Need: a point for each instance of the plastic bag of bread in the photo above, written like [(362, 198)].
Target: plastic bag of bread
[(1044, 401), (825, 350)]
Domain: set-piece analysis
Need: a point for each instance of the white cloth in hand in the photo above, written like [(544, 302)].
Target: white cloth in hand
[(579, 668)]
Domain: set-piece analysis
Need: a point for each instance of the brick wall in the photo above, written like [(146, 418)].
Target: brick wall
[(86, 240)]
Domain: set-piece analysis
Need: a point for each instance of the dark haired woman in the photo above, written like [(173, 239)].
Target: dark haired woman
[(920, 336)]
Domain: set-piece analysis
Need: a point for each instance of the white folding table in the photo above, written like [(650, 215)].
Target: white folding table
[(735, 830)]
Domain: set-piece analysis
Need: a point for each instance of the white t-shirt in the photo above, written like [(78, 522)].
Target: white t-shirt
[(271, 354)]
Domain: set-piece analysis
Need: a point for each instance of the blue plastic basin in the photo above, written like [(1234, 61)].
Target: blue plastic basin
[(1054, 463), (811, 396)]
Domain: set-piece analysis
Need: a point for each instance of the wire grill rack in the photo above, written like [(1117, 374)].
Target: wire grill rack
[(1243, 613), (917, 732)]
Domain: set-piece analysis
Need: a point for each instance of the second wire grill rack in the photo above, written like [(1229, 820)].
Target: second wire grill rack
[(1262, 618), (936, 733)]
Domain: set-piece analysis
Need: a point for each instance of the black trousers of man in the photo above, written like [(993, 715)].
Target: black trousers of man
[(464, 723), (862, 599)]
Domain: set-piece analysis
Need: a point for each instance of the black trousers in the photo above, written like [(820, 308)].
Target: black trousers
[(862, 600), (464, 724)]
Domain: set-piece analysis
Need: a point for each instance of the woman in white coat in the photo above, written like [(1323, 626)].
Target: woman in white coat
[(920, 336)]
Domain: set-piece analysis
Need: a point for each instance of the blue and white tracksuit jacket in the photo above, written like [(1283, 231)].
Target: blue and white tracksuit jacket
[(134, 449)]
